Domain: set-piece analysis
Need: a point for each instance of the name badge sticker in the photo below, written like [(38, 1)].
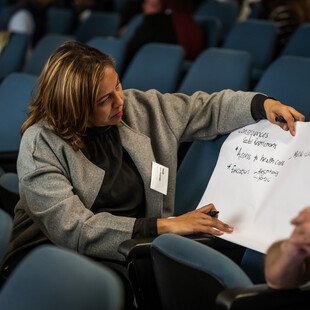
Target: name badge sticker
[(159, 179)]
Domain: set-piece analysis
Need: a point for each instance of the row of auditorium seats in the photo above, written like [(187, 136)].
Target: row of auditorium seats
[(32, 62), (285, 79), (254, 36), (158, 66), (59, 19), (225, 12), (216, 18)]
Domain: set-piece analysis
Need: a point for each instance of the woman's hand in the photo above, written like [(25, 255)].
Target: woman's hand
[(193, 222), (275, 108)]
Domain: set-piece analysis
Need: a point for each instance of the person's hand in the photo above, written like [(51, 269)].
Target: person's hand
[(275, 109), (287, 261), (298, 245), (197, 221)]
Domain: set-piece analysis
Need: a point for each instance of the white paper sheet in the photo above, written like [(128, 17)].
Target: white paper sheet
[(261, 181)]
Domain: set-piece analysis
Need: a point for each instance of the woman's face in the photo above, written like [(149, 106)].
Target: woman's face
[(108, 108), (152, 7)]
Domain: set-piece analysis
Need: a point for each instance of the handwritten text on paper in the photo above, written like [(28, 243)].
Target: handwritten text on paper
[(261, 181)]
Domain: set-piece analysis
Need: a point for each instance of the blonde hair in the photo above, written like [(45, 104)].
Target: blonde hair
[(67, 89)]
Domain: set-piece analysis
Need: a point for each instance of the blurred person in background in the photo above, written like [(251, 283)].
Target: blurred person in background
[(248, 8), (82, 9), (18, 17), (288, 16), (129, 9), (167, 21), (26, 16)]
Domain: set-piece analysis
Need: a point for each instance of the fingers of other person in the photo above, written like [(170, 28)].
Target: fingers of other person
[(297, 247), (298, 244), (303, 216), (287, 116), (293, 250), (301, 233)]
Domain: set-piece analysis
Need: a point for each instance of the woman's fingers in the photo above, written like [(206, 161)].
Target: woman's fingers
[(207, 208), (282, 115)]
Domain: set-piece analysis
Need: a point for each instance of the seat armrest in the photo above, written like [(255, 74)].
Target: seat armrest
[(262, 297), (135, 248), (8, 161), (140, 248)]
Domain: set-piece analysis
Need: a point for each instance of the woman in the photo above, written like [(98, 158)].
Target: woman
[(85, 159), (288, 16), (26, 16), (167, 21)]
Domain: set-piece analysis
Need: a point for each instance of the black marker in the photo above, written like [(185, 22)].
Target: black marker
[(280, 119), (213, 213)]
